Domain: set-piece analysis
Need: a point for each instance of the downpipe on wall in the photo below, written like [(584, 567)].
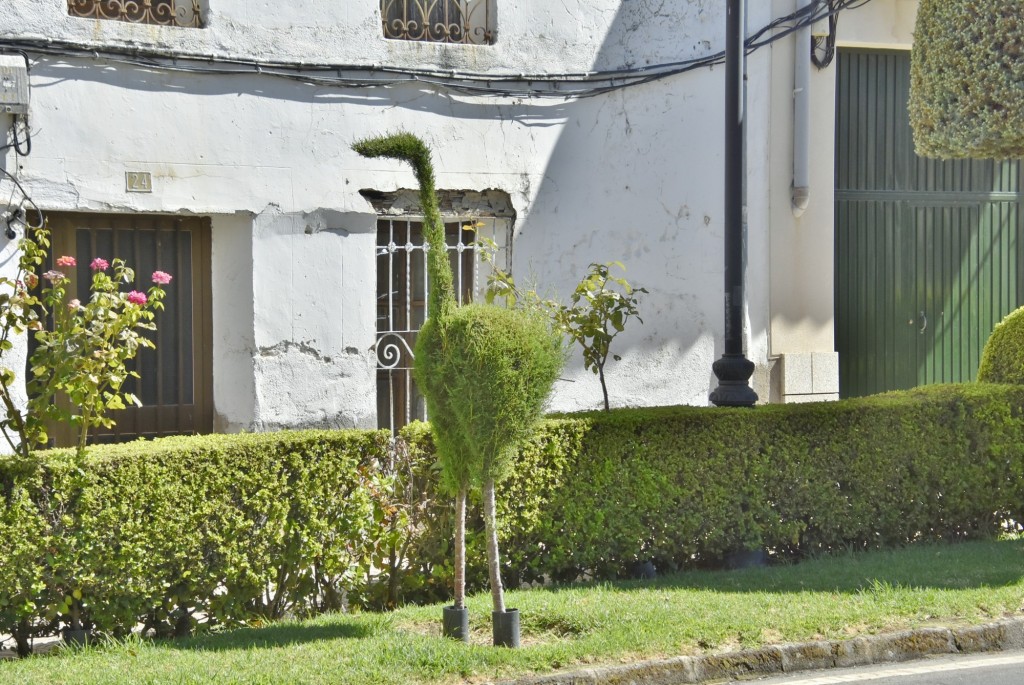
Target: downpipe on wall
[(801, 193)]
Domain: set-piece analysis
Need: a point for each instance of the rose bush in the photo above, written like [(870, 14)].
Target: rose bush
[(82, 349)]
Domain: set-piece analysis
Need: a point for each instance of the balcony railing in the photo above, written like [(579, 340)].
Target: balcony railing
[(439, 21), (161, 12)]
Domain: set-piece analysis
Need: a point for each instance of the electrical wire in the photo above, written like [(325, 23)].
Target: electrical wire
[(22, 148), (825, 44), (17, 145), (564, 85), (25, 199)]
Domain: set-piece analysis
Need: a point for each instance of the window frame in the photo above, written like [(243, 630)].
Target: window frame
[(402, 20)]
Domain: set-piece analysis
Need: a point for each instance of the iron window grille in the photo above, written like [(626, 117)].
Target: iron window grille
[(187, 13), (468, 22), (402, 294)]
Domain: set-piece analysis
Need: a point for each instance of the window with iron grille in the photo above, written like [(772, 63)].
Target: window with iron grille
[(160, 12), (439, 21), (402, 293)]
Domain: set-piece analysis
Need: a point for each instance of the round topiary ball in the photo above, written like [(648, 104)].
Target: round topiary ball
[(967, 79), (1002, 360)]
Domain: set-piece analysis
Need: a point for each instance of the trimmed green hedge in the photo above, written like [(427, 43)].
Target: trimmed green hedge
[(685, 486), (1002, 360), (194, 529), (227, 529)]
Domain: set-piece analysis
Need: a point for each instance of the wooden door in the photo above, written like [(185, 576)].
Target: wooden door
[(176, 378)]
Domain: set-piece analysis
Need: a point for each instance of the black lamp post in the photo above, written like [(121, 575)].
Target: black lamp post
[(734, 369)]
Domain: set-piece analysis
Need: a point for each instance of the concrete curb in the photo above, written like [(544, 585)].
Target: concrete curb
[(1007, 634)]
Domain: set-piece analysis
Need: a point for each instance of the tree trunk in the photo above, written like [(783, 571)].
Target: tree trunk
[(22, 638), (604, 387), (490, 523), (460, 549)]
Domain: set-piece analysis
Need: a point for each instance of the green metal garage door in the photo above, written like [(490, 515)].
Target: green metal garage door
[(928, 253)]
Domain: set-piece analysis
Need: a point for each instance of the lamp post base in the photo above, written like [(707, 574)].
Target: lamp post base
[(733, 372)]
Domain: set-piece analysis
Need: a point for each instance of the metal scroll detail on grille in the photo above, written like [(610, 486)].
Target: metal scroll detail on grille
[(438, 21), (161, 12), (394, 351)]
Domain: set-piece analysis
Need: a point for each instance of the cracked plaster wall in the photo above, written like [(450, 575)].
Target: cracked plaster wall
[(634, 175), (314, 294)]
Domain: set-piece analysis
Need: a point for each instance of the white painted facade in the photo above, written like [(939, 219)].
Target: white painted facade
[(634, 175)]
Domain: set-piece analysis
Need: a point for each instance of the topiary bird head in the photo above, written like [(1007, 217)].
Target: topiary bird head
[(406, 147)]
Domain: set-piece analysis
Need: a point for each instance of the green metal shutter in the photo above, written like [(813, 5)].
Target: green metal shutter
[(927, 252)]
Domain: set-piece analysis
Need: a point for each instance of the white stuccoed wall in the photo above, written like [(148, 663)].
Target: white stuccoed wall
[(634, 175)]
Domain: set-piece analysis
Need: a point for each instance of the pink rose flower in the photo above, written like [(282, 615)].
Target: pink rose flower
[(99, 264), (73, 305), (161, 277), (135, 297), (53, 276), (66, 261)]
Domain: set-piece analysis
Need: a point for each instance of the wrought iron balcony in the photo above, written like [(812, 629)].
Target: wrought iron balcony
[(439, 21), (161, 12)]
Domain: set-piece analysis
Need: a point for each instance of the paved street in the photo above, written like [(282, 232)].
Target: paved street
[(1002, 668)]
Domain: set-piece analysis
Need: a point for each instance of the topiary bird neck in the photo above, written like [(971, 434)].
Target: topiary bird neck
[(408, 148), (441, 300)]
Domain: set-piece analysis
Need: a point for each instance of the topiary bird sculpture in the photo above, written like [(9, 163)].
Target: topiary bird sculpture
[(485, 371)]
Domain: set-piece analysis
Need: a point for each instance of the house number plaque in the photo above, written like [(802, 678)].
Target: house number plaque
[(138, 182)]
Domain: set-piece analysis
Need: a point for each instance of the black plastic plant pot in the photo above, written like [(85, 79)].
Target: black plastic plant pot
[(75, 637), (505, 628), (456, 623)]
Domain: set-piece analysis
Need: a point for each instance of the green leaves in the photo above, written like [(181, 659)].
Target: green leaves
[(601, 305), (687, 486), (1002, 360)]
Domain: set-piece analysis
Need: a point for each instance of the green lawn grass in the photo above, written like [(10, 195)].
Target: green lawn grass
[(609, 623)]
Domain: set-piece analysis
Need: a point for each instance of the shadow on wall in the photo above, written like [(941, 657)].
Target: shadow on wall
[(634, 178)]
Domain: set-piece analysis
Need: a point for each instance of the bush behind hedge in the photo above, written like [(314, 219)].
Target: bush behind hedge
[(1002, 359), (967, 67)]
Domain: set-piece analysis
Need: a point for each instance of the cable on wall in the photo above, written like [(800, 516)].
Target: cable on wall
[(564, 85), (27, 141), (823, 48)]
